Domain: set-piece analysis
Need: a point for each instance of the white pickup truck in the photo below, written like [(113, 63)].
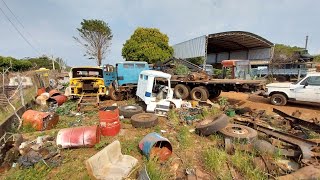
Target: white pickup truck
[(306, 90)]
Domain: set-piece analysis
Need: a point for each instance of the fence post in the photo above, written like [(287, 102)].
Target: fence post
[(21, 90)]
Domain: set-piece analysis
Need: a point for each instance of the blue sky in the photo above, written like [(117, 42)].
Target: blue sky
[(52, 23)]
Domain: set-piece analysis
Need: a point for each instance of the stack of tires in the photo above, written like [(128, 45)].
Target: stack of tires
[(139, 119)]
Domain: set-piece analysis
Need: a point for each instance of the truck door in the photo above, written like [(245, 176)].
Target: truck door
[(309, 90), (128, 73)]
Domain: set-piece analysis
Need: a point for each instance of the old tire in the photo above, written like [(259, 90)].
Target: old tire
[(199, 94), (214, 126), (181, 91), (239, 132), (278, 100), (129, 110), (206, 89), (114, 95), (144, 120)]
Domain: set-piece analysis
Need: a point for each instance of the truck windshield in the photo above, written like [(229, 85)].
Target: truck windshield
[(86, 72)]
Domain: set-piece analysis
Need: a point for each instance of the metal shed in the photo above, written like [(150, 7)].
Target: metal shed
[(227, 45)]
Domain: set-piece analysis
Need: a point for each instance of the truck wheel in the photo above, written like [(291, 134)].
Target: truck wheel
[(129, 110), (215, 93), (116, 96), (278, 100), (239, 132), (144, 120), (199, 94), (206, 89), (181, 91)]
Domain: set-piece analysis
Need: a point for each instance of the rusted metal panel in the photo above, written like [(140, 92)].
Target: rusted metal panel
[(85, 136), (40, 120), (54, 92)]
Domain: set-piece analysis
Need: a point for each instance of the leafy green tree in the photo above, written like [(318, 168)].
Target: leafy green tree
[(317, 58), (95, 37), (196, 60), (147, 44)]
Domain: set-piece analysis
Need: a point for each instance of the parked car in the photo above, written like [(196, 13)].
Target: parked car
[(305, 90)]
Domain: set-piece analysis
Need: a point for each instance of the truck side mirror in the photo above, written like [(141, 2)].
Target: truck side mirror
[(306, 84)]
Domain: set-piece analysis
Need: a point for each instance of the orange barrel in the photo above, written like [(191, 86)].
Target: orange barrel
[(60, 99), (85, 136), (39, 120), (41, 90), (109, 120), (54, 92)]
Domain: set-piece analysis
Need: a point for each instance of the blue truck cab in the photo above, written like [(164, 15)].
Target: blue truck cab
[(124, 73)]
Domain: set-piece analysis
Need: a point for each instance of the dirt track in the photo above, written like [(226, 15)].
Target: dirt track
[(259, 102)]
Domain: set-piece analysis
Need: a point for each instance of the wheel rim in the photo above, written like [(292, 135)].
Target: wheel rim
[(131, 108), (198, 95), (277, 100), (237, 130)]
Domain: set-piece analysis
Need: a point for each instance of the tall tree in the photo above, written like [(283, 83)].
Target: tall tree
[(95, 37), (147, 44)]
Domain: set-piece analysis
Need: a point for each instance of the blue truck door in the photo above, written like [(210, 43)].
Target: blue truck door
[(109, 75), (128, 73)]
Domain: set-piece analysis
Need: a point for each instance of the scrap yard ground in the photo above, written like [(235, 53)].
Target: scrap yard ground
[(205, 156)]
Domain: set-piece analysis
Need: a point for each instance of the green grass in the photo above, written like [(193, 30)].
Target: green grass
[(184, 137), (39, 171), (156, 171), (210, 112), (173, 117), (27, 128), (243, 162), (215, 161), (66, 108), (130, 146)]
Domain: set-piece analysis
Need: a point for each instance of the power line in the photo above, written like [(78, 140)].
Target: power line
[(16, 18), (15, 27)]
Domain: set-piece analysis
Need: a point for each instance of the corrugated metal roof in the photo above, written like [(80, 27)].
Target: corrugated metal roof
[(192, 48)]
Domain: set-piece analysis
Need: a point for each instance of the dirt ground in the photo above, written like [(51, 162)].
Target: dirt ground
[(259, 102)]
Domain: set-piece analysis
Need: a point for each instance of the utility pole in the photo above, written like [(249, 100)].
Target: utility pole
[(306, 45)]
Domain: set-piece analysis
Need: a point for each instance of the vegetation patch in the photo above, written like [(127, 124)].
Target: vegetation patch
[(215, 161), (184, 137), (156, 171)]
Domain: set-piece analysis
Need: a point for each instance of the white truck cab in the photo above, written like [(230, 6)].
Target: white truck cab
[(158, 98), (306, 90)]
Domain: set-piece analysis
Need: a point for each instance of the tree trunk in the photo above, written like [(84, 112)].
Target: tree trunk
[(99, 57)]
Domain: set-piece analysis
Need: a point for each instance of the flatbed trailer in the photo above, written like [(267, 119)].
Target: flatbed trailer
[(201, 90)]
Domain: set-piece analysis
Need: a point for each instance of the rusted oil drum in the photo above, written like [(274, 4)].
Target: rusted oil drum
[(60, 99), (40, 91), (54, 92), (154, 145), (39, 120), (318, 68), (85, 136), (109, 120)]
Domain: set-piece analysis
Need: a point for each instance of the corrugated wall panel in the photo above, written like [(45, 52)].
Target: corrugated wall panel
[(222, 56), (260, 54), (238, 55), (193, 48), (211, 58)]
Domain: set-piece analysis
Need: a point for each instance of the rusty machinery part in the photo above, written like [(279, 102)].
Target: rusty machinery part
[(182, 91), (239, 132), (296, 120), (213, 126), (129, 110), (307, 172), (144, 120), (39, 120), (198, 94), (278, 99), (196, 76), (267, 148), (115, 95)]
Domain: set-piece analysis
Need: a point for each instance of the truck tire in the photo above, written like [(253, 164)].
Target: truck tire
[(278, 99), (215, 93), (206, 89), (114, 95), (129, 110), (144, 120), (199, 94), (181, 91), (214, 126), (239, 132)]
